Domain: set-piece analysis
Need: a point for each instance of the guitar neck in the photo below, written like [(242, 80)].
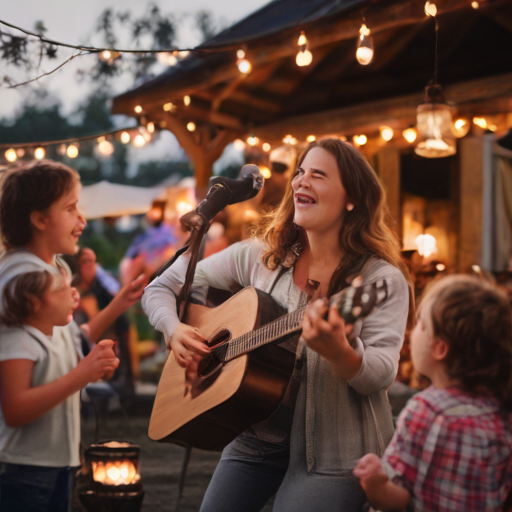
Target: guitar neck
[(287, 324)]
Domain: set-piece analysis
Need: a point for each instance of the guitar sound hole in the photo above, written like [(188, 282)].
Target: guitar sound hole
[(214, 362)]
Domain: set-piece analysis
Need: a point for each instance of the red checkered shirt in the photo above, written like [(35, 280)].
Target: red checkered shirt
[(452, 452)]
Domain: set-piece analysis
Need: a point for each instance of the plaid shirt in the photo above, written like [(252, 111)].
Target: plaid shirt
[(452, 452)]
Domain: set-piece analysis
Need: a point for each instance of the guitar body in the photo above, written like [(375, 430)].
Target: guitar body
[(245, 391)]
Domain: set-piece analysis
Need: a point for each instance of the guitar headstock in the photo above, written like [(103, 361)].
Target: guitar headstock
[(358, 300)]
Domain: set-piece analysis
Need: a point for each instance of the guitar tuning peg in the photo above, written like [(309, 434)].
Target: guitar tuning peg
[(365, 298)]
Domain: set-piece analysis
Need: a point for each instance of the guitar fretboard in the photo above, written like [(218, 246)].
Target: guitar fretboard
[(270, 332)]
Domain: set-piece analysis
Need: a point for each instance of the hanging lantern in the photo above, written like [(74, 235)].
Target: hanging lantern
[(434, 124), (364, 52)]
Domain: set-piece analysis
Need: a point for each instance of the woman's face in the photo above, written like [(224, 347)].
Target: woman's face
[(87, 266), (319, 196)]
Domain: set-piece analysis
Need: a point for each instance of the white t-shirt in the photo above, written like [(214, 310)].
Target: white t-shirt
[(53, 439)]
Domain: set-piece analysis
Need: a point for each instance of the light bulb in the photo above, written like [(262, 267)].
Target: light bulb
[(410, 135), (310, 138), (475, 5), (302, 39), (10, 155), (266, 147), (138, 109), (167, 58), (430, 9), (105, 55), (461, 128), (105, 148), (252, 140), (72, 151), (20, 152), (244, 66), (386, 133), (125, 137), (39, 153), (304, 58), (364, 52), (191, 126), (151, 127), (186, 100), (99, 140), (440, 267), (289, 139), (265, 172), (168, 107), (360, 140), (139, 141), (183, 54), (481, 121), (240, 54), (239, 144), (426, 244)]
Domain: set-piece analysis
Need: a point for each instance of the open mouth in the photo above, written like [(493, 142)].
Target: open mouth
[(304, 199)]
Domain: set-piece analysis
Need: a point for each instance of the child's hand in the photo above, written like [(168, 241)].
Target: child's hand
[(128, 295), (99, 362), (369, 471)]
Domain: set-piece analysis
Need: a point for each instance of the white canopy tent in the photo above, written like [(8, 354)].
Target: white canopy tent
[(105, 199)]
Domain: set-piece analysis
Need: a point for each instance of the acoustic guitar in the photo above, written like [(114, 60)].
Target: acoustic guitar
[(243, 379)]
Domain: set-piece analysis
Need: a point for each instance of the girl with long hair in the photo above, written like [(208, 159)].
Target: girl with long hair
[(329, 228)]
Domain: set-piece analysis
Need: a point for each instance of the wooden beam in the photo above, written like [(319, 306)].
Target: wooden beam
[(389, 173), (397, 112), (471, 185)]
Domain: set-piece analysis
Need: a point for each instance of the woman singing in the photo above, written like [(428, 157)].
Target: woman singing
[(328, 229)]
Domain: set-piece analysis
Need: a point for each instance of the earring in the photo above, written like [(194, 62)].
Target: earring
[(350, 207)]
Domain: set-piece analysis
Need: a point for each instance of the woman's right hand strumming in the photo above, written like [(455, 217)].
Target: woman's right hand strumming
[(188, 345)]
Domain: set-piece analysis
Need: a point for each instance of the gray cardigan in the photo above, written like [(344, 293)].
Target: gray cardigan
[(344, 419)]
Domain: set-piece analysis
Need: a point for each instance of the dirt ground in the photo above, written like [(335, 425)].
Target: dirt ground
[(160, 463)]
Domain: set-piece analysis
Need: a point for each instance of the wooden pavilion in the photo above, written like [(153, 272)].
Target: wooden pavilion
[(335, 95)]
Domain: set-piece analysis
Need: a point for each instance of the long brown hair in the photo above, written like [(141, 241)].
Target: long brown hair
[(364, 232)]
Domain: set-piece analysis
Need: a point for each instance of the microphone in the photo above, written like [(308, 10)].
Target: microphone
[(224, 191)]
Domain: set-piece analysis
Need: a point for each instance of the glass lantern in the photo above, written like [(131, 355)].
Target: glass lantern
[(434, 124)]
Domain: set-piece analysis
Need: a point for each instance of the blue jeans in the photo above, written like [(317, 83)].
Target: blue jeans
[(33, 488)]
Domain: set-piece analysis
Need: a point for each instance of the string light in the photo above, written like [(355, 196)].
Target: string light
[(430, 9), (61, 150), (139, 141), (187, 100), (150, 127), (239, 144), (266, 147), (461, 127), (167, 59), (482, 122), (105, 55), (10, 155), (364, 52), (386, 133), (360, 140), (169, 107), (252, 140), (410, 135), (99, 140), (265, 172), (20, 152), (191, 126), (310, 138), (304, 57), (146, 135), (105, 148), (440, 267), (138, 109), (125, 137), (244, 66), (475, 5), (289, 139), (72, 151), (39, 153)]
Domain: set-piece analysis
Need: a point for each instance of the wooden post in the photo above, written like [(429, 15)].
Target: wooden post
[(202, 148), (471, 186), (389, 174)]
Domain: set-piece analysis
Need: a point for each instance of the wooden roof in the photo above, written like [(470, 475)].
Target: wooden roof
[(474, 47)]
